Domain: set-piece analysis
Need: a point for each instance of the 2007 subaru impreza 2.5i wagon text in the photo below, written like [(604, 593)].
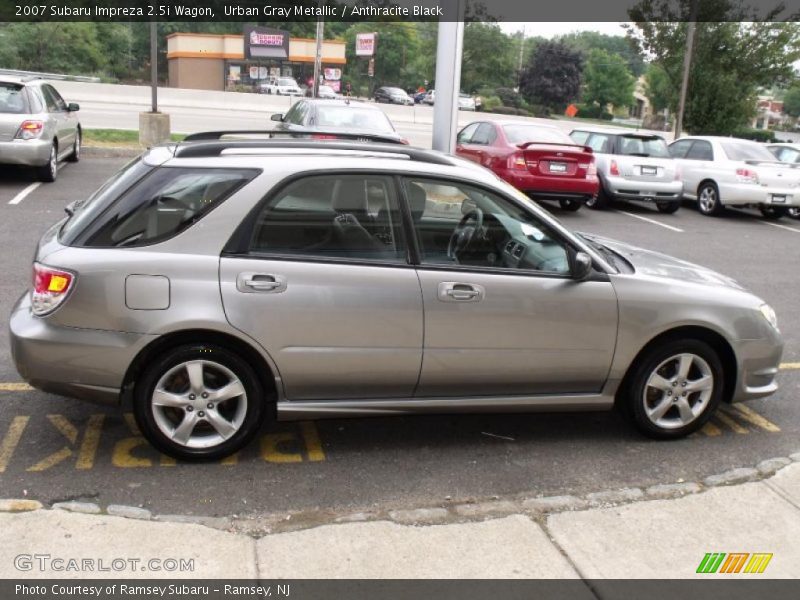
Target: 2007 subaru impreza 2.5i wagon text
[(213, 284)]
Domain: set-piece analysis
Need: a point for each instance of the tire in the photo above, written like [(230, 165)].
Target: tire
[(668, 208), (773, 213), (708, 201), (600, 201), (49, 171), (75, 155), (237, 421), (794, 212), (655, 384), (570, 205)]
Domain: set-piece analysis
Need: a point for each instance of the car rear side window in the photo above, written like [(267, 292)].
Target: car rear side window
[(163, 204), (700, 150), (12, 99), (746, 151), (485, 135), (599, 142)]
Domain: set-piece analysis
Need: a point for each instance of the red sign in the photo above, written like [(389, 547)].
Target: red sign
[(571, 111), (265, 39), (365, 44)]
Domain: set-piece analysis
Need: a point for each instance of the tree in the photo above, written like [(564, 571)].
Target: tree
[(658, 89), (488, 58), (791, 101), (736, 52), (553, 75), (395, 49), (54, 47), (586, 41), (607, 80)]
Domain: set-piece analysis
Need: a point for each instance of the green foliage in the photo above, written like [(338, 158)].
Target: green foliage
[(735, 54), (553, 75), (658, 88), (490, 103), (618, 45), (396, 47), (758, 135), (791, 101), (593, 111), (489, 58), (607, 80), (510, 110), (509, 97)]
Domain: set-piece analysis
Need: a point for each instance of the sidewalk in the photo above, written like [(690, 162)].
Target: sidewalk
[(618, 534)]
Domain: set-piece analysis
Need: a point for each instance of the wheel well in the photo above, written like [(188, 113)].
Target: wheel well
[(712, 338), (167, 342), (702, 183)]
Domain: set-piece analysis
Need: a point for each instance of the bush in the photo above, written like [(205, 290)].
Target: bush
[(509, 97), (489, 103), (538, 110), (592, 111), (757, 135), (509, 110)]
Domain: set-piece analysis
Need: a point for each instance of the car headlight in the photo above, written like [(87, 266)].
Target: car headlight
[(769, 314)]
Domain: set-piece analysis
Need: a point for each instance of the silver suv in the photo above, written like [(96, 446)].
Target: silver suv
[(214, 284), (37, 128)]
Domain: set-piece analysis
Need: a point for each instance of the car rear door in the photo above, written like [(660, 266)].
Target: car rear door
[(323, 283), (696, 164), (66, 123), (505, 318)]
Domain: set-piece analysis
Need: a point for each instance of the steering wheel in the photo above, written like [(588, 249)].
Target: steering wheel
[(465, 232)]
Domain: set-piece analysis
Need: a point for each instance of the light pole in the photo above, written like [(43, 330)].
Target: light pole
[(449, 49), (687, 65)]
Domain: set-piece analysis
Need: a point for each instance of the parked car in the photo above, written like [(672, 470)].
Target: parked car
[(722, 171), (326, 92), (632, 166), (215, 285), (281, 86), (393, 95), (37, 127), (429, 98), (336, 116), (466, 102), (418, 97), (539, 160), (790, 153)]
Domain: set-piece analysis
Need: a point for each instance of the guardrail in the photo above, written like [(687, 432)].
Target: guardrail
[(53, 76)]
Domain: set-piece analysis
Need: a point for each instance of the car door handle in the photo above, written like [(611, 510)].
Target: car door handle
[(453, 291), (260, 282)]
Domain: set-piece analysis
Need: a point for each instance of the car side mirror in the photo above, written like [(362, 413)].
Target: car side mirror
[(73, 107), (277, 117), (580, 266)]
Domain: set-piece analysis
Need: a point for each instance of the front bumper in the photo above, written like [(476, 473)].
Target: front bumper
[(740, 194), (758, 364), (87, 364), (29, 153), (648, 191)]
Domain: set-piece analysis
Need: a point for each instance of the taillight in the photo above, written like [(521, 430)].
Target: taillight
[(613, 169), (746, 175), (30, 130), (50, 288), (591, 170), (517, 161), (405, 141)]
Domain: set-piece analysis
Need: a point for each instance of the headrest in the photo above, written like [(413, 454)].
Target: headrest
[(417, 199), (350, 196)]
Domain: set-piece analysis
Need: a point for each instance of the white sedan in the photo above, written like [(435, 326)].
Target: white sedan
[(721, 171)]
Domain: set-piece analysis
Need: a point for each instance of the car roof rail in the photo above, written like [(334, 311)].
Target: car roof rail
[(205, 136), (201, 149)]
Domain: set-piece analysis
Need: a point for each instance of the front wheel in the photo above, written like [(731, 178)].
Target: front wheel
[(668, 207), (675, 388), (569, 204), (199, 402), (773, 213)]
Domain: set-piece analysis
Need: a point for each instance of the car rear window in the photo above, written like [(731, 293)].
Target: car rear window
[(634, 145), (162, 204), (353, 117), (519, 134), (12, 99), (746, 151)]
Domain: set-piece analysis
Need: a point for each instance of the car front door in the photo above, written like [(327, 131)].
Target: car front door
[(321, 281), (502, 315), (66, 122), (463, 146)]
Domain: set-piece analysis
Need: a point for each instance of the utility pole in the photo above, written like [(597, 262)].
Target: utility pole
[(521, 49), (154, 126), (318, 55), (687, 65), (154, 66)]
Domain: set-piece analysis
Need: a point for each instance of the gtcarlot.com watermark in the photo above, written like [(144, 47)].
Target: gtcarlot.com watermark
[(47, 563)]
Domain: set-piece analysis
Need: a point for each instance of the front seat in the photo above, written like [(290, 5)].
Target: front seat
[(352, 218)]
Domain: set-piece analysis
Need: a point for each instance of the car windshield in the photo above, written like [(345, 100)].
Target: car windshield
[(644, 146), (353, 117), (11, 99), (287, 82), (746, 151), (396, 91), (519, 134)]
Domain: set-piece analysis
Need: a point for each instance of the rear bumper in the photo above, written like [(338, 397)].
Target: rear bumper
[(758, 364), (739, 194), (550, 188), (86, 364), (648, 191), (30, 153)]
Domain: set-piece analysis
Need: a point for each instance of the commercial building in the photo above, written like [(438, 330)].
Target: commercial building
[(236, 62)]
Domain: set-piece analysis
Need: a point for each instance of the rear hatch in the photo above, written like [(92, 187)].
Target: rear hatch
[(557, 160), (13, 109), (644, 158)]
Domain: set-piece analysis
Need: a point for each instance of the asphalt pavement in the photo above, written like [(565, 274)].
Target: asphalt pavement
[(54, 449)]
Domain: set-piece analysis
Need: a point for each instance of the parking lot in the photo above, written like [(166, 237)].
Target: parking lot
[(54, 449)]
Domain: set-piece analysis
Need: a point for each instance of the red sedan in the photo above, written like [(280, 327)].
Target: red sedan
[(539, 160)]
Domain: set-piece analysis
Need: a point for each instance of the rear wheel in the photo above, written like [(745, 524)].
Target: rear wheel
[(668, 207), (773, 212), (199, 402), (569, 204), (75, 156), (675, 388), (708, 201), (49, 171), (600, 201), (794, 212)]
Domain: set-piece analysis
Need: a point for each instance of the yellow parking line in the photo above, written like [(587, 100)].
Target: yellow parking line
[(790, 366), (15, 387), (711, 430), (730, 423), (748, 414)]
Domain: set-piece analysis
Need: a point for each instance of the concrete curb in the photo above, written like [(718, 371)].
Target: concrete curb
[(537, 508)]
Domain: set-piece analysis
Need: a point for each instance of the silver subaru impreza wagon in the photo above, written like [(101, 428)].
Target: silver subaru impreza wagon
[(216, 283)]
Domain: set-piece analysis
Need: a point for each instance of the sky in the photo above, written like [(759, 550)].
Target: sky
[(549, 30)]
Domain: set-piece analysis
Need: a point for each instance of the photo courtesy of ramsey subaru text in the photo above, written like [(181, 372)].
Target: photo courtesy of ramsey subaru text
[(218, 282)]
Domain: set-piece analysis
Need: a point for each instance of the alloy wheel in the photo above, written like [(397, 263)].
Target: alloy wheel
[(678, 391), (708, 200)]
